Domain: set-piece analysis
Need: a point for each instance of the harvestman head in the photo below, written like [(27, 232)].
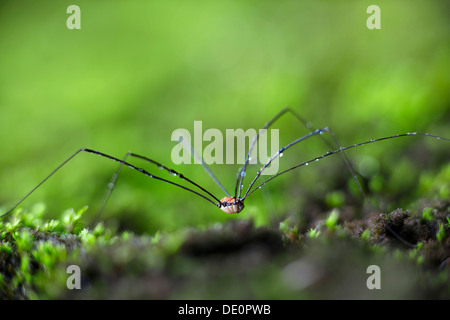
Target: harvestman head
[(232, 204)]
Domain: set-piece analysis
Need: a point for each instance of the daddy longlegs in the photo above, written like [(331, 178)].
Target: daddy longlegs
[(233, 204)]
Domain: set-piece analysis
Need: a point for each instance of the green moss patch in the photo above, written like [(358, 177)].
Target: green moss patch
[(234, 260)]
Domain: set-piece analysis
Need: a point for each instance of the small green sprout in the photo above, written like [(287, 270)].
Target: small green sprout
[(419, 245), (287, 230), (25, 268), (331, 221), (156, 238), (365, 235), (427, 214), (5, 247), (414, 254), (51, 226), (87, 238), (420, 259), (441, 232), (126, 236), (24, 240), (313, 233), (99, 229), (71, 219)]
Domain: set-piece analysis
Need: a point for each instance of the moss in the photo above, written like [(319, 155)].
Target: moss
[(290, 232), (440, 234), (331, 221), (29, 251), (231, 260), (427, 214)]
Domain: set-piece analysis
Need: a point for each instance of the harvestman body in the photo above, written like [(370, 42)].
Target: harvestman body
[(231, 204)]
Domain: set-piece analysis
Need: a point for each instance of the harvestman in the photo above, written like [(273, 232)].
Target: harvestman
[(230, 204)]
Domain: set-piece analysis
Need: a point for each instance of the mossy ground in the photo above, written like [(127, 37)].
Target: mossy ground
[(234, 260)]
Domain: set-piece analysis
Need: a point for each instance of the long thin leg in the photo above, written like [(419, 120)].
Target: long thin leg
[(172, 172), (346, 159), (341, 150), (207, 169), (111, 186), (40, 183), (280, 152), (152, 175), (129, 165), (241, 174), (307, 125)]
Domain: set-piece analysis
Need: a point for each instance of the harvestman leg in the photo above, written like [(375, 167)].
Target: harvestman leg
[(340, 150), (172, 172), (129, 165), (239, 185), (199, 158), (307, 124), (280, 151)]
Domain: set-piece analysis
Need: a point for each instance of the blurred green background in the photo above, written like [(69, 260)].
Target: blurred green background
[(138, 70)]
